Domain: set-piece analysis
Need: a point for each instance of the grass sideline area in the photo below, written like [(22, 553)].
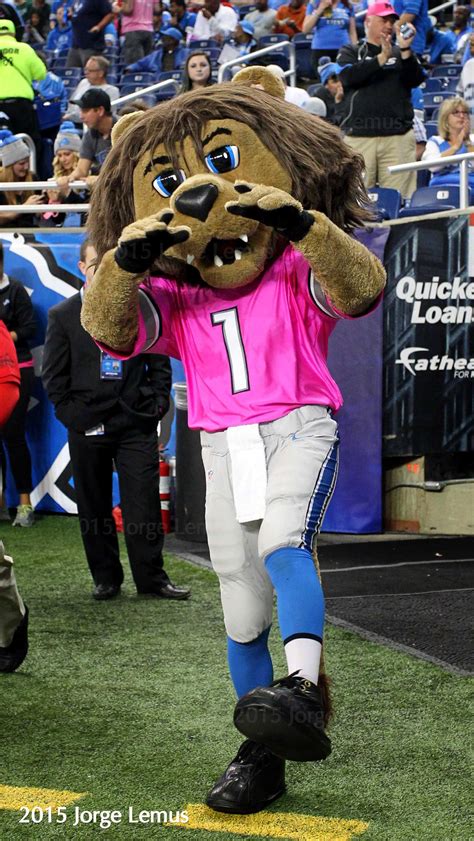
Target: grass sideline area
[(130, 701)]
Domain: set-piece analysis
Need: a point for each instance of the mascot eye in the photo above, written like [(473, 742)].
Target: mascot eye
[(223, 159), (168, 181)]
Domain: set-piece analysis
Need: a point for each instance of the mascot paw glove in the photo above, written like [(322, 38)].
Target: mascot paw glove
[(142, 242), (273, 208)]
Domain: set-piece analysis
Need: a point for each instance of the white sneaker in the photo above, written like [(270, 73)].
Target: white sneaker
[(24, 516)]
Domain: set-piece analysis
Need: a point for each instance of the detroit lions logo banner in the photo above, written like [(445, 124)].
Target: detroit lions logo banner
[(47, 266)]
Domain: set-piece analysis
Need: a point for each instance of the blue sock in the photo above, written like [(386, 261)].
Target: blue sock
[(300, 599), (250, 663)]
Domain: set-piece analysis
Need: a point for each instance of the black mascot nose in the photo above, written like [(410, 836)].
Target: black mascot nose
[(197, 201)]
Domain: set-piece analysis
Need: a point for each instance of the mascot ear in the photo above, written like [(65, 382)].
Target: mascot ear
[(124, 124), (261, 77)]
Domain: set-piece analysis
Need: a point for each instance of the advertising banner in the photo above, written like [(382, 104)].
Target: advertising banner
[(428, 388)]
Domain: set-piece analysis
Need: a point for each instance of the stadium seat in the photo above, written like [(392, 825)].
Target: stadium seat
[(301, 38), (212, 52), (203, 44), (433, 200), (72, 73), (312, 89), (266, 40), (126, 89), (444, 193), (434, 84), (434, 100), (60, 63), (165, 93), (275, 57), (304, 64), (70, 83), (169, 74), (431, 128), (244, 10), (451, 84), (387, 202), (142, 79), (446, 70), (45, 163)]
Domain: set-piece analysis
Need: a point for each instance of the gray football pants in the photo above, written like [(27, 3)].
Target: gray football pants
[(301, 451)]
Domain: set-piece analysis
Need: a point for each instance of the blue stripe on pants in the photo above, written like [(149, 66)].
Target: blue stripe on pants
[(321, 496)]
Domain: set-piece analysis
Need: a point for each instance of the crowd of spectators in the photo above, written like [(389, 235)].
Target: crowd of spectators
[(65, 64)]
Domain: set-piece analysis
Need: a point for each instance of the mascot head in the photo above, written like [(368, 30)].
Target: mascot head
[(191, 154)]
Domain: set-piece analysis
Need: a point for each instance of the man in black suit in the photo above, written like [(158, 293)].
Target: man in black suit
[(111, 410)]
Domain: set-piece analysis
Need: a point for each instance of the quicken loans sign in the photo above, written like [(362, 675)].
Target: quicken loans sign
[(438, 301)]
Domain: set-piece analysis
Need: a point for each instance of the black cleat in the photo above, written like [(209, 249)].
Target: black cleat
[(287, 717), (13, 655), (253, 780)]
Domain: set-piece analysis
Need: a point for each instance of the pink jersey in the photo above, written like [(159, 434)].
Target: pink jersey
[(141, 18), (250, 355)]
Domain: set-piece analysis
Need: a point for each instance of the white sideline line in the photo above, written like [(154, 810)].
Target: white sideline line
[(402, 564), (397, 646), (417, 593)]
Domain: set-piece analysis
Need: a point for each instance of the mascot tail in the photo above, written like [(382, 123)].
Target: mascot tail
[(324, 681)]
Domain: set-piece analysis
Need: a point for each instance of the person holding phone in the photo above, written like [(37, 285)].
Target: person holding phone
[(15, 167)]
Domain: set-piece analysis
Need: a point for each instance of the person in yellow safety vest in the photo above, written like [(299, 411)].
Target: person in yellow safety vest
[(19, 67)]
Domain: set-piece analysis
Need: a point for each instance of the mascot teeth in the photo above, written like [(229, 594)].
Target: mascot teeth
[(217, 261), (190, 259), (244, 237), (238, 255)]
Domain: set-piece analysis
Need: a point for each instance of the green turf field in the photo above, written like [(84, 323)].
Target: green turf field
[(130, 702)]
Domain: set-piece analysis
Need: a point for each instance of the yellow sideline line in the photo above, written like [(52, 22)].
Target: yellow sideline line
[(14, 797), (273, 825)]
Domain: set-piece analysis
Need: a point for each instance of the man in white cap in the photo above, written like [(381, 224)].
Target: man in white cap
[(297, 96), (19, 67), (378, 78)]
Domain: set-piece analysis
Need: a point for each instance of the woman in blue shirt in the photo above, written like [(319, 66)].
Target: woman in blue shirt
[(454, 138), (333, 25)]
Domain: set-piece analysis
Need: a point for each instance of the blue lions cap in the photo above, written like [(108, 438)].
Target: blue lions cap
[(12, 148), (172, 32), (328, 70), (247, 27), (68, 138)]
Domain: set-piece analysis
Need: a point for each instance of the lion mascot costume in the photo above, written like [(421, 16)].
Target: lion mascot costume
[(223, 223)]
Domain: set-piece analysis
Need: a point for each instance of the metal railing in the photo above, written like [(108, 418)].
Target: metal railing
[(272, 48), (22, 186), (44, 208), (25, 186), (440, 8), (150, 89), (443, 6), (442, 162)]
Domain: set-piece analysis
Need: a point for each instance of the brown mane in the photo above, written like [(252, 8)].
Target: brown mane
[(326, 174)]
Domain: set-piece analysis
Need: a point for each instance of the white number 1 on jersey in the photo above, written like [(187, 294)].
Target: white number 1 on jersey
[(229, 319)]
